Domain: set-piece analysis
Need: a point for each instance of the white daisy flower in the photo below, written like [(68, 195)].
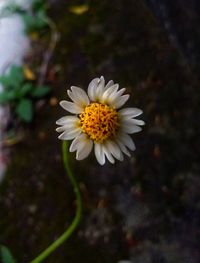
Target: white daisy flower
[(98, 121)]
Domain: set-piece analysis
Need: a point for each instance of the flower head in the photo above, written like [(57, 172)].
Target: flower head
[(98, 121)]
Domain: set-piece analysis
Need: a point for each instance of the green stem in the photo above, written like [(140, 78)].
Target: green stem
[(77, 217)]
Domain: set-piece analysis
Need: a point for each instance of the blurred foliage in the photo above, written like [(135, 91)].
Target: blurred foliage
[(151, 201), (34, 20), (20, 92), (79, 9), (38, 19), (5, 255)]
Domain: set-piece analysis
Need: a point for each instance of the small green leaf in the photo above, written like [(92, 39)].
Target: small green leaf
[(6, 256), (25, 89), (35, 22), (4, 97), (7, 96), (16, 76), (40, 91), (39, 5), (13, 78), (25, 110), (5, 81), (28, 20), (41, 18)]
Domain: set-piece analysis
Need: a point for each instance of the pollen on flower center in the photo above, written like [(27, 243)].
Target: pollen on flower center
[(99, 122)]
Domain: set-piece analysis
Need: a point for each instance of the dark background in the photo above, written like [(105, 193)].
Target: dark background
[(146, 209)]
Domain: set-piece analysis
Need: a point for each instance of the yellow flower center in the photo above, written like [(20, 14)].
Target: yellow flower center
[(99, 122)]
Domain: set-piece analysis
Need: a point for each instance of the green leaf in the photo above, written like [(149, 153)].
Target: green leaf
[(39, 5), (40, 91), (41, 18), (35, 22), (7, 96), (6, 256), (5, 81), (25, 110), (28, 20), (16, 76), (25, 89)]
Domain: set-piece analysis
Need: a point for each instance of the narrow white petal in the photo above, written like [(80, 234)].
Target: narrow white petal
[(69, 135), (130, 112), (109, 84), (98, 150), (114, 149), (120, 92), (123, 148), (83, 152), (78, 142), (67, 127), (60, 129), (108, 92), (79, 96), (100, 88), (115, 95), (127, 141), (70, 94), (138, 122), (120, 101), (131, 128), (128, 121), (92, 88), (108, 154), (67, 119), (71, 107)]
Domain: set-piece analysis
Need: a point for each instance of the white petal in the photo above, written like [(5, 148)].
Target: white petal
[(79, 96), (92, 88), (100, 88), (77, 142), (120, 101), (71, 107), (67, 119), (109, 84), (130, 112), (115, 95), (108, 154), (114, 149), (67, 127), (98, 150), (108, 92), (119, 93), (128, 121), (138, 122), (131, 128), (123, 148), (69, 135), (83, 152), (127, 141)]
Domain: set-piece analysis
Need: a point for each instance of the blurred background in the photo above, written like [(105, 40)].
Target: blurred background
[(143, 210)]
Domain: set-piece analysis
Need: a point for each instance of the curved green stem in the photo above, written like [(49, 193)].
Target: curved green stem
[(77, 218)]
